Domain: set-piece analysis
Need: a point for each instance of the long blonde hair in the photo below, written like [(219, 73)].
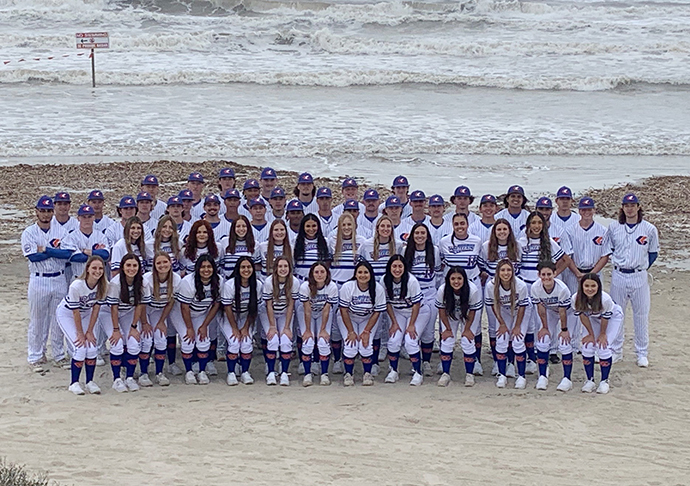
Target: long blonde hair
[(174, 239), (288, 280), (497, 285), (102, 284), (168, 279), (339, 238), (377, 243)]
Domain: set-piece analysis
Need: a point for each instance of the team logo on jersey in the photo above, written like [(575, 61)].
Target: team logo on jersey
[(557, 239), (404, 236), (98, 246), (598, 240), (641, 240), (55, 242)]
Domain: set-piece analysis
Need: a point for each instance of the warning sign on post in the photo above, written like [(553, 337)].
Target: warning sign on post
[(93, 40)]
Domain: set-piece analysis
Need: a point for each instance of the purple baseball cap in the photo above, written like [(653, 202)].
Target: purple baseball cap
[(62, 197), (417, 196), (144, 196), (564, 192), (400, 181), (86, 210), (186, 195), (211, 198), (515, 190), (305, 178), (294, 205), (127, 202), (586, 203), (230, 193), (251, 184), (150, 180), (174, 201), (277, 192), (268, 173), (195, 177), (462, 191), (323, 192), (630, 198), (351, 204), (393, 202), (544, 202), (226, 173), (371, 195), (436, 200), (45, 202), (487, 198), (349, 182), (257, 201), (95, 195)]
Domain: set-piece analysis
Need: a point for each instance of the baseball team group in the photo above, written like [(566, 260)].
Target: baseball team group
[(216, 272)]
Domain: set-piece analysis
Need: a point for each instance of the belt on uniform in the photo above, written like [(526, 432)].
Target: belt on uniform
[(627, 270), (585, 270), (49, 275)]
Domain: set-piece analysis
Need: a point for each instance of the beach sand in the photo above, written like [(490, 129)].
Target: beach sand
[(386, 434)]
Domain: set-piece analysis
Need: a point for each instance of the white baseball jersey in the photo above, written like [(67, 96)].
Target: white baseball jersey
[(166, 247), (531, 257), (564, 225), (406, 224), (366, 226), (188, 265), (412, 296), (489, 266), (33, 237), (197, 211), (113, 297), (263, 254), (462, 253), (82, 298), (159, 210), (475, 303), (559, 296), (522, 298), (164, 289), (608, 308), (343, 269), (270, 217), (120, 250), (471, 218), (563, 240), (630, 247), (517, 221), (426, 276), (359, 302), (480, 229), (70, 225), (261, 233), (229, 260), (311, 207), (103, 224), (228, 296), (280, 304), (186, 294), (222, 230), (328, 294), (439, 232), (366, 251), (77, 242), (292, 235), (328, 224), (311, 255), (150, 228), (114, 233), (588, 245)]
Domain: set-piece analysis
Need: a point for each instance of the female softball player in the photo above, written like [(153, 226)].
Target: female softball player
[(278, 244), (551, 300), (515, 211), (310, 246), (424, 261), (361, 301), (127, 311), (509, 297), (199, 242), (162, 310), (133, 241), (77, 315), (242, 304), (458, 300), (199, 298), (602, 319), (240, 243), (319, 298), (408, 317), (166, 240), (281, 298)]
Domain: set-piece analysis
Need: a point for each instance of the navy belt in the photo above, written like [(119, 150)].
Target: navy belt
[(585, 270), (627, 270), (49, 275)]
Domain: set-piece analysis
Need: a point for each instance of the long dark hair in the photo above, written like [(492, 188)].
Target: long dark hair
[(320, 240), (191, 245), (622, 219), (215, 279), (584, 303), (544, 240), (248, 239), (253, 298), (388, 277), (428, 248), (449, 295), (372, 279), (137, 283)]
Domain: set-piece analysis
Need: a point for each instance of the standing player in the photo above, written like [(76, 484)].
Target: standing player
[(132, 241), (349, 190), (144, 207), (277, 245), (634, 245), (269, 181), (77, 315), (294, 214), (195, 183), (150, 184), (96, 200), (231, 199), (85, 242), (175, 209), (187, 199), (126, 209), (515, 211), (400, 189), (63, 204), (259, 225), (277, 204), (226, 182), (250, 190), (212, 214), (324, 199), (310, 246), (462, 198), (393, 209), (305, 192), (368, 218), (564, 221), (41, 245), (482, 227), (418, 204), (437, 224)]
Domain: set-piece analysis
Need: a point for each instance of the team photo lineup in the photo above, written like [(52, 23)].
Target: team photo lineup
[(223, 268)]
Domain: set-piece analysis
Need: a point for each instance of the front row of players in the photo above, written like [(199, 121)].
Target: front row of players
[(143, 305)]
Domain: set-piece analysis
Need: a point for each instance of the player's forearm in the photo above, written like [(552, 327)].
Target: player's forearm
[(541, 310), (104, 254), (345, 314), (94, 317), (520, 316), (79, 257), (59, 254), (415, 313), (372, 321), (37, 257), (562, 312), (211, 314)]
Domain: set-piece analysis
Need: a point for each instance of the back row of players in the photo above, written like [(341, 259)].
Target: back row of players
[(307, 230)]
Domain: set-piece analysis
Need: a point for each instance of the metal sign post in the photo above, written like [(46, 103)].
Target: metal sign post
[(93, 41)]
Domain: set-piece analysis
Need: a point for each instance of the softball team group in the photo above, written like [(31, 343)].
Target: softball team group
[(218, 275)]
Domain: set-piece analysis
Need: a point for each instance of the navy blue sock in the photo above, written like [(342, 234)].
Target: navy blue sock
[(446, 361), (212, 350), (325, 361), (349, 365), (427, 349), (115, 364), (367, 363), (589, 367), (469, 364), (605, 368), (171, 349), (502, 362), (510, 355), (567, 361), (187, 360), (393, 360), (376, 344), (130, 364), (478, 347), (90, 369), (521, 359), (203, 359), (529, 344), (159, 358), (231, 362), (543, 362), (306, 361), (76, 367), (337, 348), (245, 361), (144, 362), (195, 356), (285, 360), (416, 360), (270, 357)]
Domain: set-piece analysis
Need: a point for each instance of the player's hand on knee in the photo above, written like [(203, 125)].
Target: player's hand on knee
[(115, 337), (272, 331), (351, 338), (411, 331), (602, 341), (90, 337), (502, 329), (517, 332), (237, 335), (564, 336), (394, 329), (162, 328), (324, 335), (543, 332), (588, 339), (307, 336), (135, 334), (469, 335), (189, 336), (80, 340), (203, 332), (365, 338), (287, 332), (146, 330)]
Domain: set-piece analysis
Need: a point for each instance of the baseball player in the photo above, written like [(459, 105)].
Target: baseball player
[(96, 200), (418, 204), (351, 207), (551, 299), (509, 298), (329, 220), (212, 214), (394, 209), (126, 208), (144, 206), (349, 190), (424, 261), (187, 199), (150, 185), (515, 211), (41, 245), (634, 244), (77, 315), (602, 319), (294, 213), (132, 241), (344, 247), (199, 296), (281, 297), (482, 226), (305, 192), (175, 210), (400, 189), (195, 183), (277, 203), (250, 190), (166, 240), (127, 311), (383, 245), (564, 221), (277, 245), (462, 198), (259, 225), (63, 203), (370, 215), (361, 301), (408, 315), (458, 300), (310, 246), (232, 201), (319, 302), (85, 242), (226, 182), (241, 298), (437, 224), (269, 181)]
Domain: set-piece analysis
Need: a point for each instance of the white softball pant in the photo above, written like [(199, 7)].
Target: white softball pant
[(403, 317), (279, 340), (518, 343), (427, 333), (45, 294), (65, 319), (633, 288), (153, 315), (178, 326), (358, 324), (134, 346), (550, 342), (448, 344), (323, 345), (236, 346), (613, 335)]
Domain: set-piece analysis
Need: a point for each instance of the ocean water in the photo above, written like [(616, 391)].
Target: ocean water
[(484, 92)]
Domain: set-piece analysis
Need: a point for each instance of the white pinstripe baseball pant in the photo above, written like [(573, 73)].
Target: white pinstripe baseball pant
[(633, 288)]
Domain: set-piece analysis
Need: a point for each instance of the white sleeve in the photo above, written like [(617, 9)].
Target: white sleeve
[(653, 239), (489, 293), (304, 292), (380, 304), (147, 288), (475, 302), (439, 297), (228, 293), (186, 293), (113, 296), (72, 297), (345, 295), (29, 243), (564, 297), (332, 292), (267, 291), (523, 298)]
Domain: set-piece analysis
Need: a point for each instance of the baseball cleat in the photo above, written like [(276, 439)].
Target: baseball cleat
[(542, 383), (469, 380), (132, 384), (348, 380), (589, 386), (642, 362), (501, 381), (145, 381), (417, 379), (76, 388), (271, 379), (367, 379), (190, 378), (603, 387), (247, 379), (231, 380), (36, 367), (565, 385), (203, 378), (162, 380), (284, 379), (119, 385), (324, 380), (520, 383), (93, 388), (308, 380), (392, 377)]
